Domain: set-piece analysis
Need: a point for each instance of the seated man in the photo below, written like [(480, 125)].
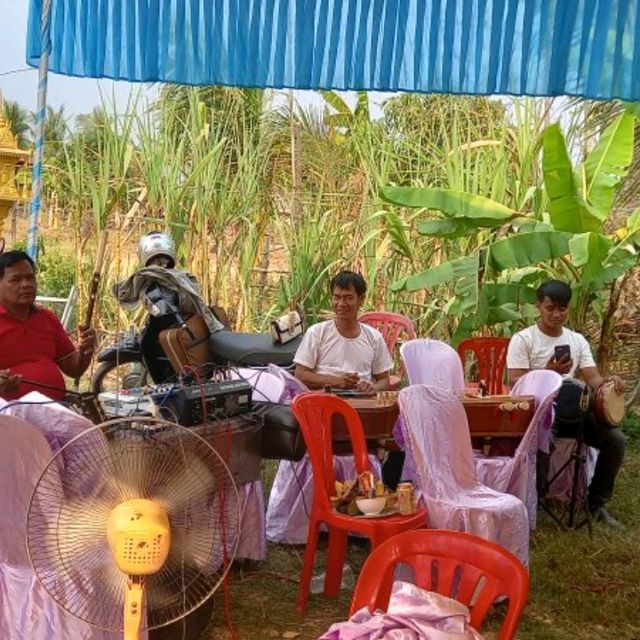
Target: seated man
[(343, 353), (535, 348), (33, 342)]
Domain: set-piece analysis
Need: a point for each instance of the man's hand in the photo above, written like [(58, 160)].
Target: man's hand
[(8, 380), (618, 383), (346, 381), (560, 366), (365, 386), (86, 339)]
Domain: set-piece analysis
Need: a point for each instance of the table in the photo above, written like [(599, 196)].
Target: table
[(497, 423)]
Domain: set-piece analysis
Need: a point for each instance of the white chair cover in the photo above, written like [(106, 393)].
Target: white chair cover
[(432, 362), (57, 423), (517, 474), (267, 387), (429, 362), (437, 440), (292, 491), (27, 610)]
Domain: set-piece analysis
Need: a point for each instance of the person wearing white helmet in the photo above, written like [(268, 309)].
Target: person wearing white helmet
[(158, 277), (157, 249)]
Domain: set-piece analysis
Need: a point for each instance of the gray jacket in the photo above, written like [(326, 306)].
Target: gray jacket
[(129, 292)]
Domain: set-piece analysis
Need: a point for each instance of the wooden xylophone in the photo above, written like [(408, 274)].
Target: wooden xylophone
[(497, 423)]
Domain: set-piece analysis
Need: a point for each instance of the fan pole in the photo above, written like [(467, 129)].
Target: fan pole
[(133, 608)]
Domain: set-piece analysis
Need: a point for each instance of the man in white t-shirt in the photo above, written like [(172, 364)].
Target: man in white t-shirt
[(548, 344), (343, 353)]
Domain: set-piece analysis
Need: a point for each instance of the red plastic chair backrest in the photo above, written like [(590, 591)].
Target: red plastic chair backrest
[(314, 411), (491, 355), (452, 563), (391, 326)]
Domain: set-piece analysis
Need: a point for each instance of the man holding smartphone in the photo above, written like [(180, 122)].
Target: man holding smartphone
[(548, 344)]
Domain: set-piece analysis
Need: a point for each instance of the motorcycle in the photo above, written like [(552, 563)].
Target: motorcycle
[(136, 358)]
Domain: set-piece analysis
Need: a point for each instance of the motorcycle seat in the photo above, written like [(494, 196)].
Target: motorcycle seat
[(250, 349)]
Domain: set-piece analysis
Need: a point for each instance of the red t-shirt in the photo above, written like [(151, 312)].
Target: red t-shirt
[(31, 349)]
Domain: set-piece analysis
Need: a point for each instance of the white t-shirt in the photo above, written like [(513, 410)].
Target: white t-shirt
[(532, 349), (327, 352)]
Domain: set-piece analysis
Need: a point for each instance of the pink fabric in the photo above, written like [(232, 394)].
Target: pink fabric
[(267, 387), (412, 614), (562, 486), (292, 491), (517, 474), (432, 362), (429, 362), (292, 495), (540, 383), (27, 611), (56, 422), (292, 386), (253, 542), (438, 444)]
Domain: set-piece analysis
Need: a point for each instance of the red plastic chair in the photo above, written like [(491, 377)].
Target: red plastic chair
[(491, 355), (459, 565), (391, 326), (315, 412)]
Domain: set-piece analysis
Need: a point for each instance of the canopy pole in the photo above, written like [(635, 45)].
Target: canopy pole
[(41, 112)]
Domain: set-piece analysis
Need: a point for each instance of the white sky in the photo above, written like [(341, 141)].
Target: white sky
[(79, 95)]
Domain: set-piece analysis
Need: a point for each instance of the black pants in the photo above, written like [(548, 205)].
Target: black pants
[(610, 443)]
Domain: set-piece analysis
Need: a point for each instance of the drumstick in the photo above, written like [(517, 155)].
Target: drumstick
[(52, 387), (95, 280)]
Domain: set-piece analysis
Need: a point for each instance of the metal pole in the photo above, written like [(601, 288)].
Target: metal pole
[(41, 112)]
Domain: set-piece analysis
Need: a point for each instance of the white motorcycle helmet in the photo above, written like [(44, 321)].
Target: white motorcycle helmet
[(157, 248)]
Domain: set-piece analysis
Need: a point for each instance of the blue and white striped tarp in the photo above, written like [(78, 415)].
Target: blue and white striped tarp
[(587, 48)]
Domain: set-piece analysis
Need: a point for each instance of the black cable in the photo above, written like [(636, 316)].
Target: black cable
[(8, 73)]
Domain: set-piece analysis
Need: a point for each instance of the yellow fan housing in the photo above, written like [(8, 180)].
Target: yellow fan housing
[(139, 536)]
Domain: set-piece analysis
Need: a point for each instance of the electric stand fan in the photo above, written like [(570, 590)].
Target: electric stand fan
[(133, 524)]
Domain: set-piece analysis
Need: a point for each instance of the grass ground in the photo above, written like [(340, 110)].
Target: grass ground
[(581, 587)]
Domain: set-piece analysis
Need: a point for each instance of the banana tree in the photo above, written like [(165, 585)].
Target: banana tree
[(516, 249)]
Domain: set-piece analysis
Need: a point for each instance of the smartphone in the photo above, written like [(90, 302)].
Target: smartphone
[(562, 352)]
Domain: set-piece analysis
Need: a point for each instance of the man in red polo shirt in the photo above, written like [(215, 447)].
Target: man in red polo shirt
[(33, 343)]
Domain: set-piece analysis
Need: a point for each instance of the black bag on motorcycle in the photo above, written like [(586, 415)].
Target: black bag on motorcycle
[(187, 347)]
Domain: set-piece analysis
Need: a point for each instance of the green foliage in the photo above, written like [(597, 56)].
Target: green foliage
[(18, 119), (56, 273), (579, 201)]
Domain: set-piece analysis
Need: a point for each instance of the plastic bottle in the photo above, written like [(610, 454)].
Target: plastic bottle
[(348, 580)]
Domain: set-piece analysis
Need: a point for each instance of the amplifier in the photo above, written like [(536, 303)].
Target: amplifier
[(184, 403)]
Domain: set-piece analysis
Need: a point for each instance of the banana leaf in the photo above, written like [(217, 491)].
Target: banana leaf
[(448, 228), (500, 301), (440, 274), (567, 209), (618, 262), (527, 249), (609, 162), (459, 204), (589, 250)]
